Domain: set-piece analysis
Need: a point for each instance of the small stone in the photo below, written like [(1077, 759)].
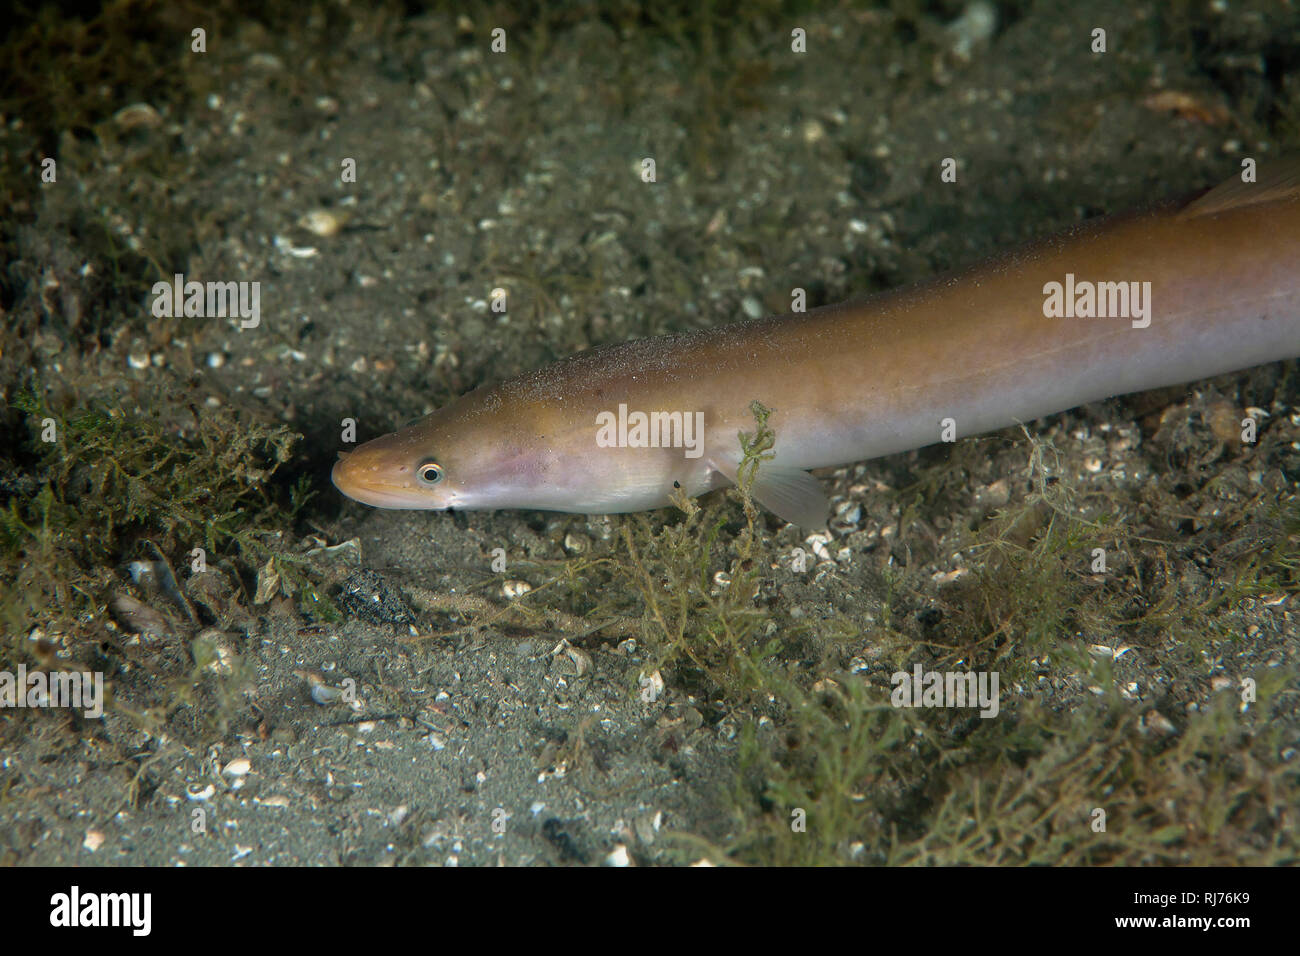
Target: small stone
[(321, 222), (618, 857)]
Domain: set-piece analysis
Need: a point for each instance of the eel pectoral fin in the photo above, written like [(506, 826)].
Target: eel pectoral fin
[(1277, 180), (789, 493)]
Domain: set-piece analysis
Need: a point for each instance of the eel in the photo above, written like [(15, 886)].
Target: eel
[(1180, 292)]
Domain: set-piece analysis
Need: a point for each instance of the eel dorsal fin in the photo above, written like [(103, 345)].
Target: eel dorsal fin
[(1278, 179)]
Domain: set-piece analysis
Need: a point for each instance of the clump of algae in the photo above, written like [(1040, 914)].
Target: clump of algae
[(97, 487), (841, 777), (704, 622)]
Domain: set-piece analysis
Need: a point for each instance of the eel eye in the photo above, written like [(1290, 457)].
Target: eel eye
[(429, 473)]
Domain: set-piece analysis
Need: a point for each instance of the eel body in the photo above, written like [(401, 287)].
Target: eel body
[(1178, 293)]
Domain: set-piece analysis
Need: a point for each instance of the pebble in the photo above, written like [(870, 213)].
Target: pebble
[(813, 131), (975, 27), (321, 222), (324, 694), (1155, 721), (137, 116), (618, 857)]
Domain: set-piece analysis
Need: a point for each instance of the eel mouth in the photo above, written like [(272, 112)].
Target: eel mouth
[(360, 481)]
